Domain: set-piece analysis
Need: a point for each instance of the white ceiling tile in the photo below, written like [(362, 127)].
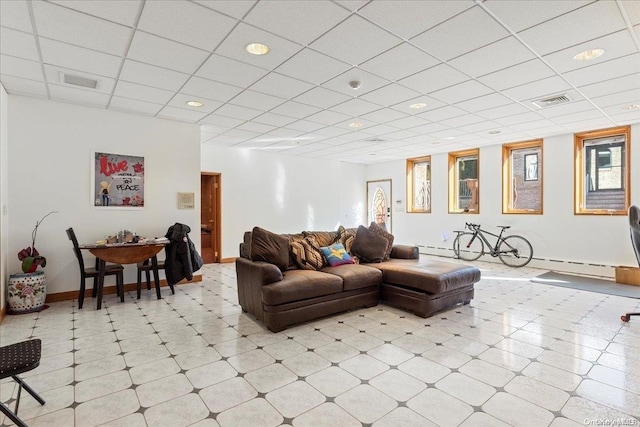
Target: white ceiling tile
[(518, 118), (620, 98), (483, 102), (321, 97), (432, 104), (519, 15), (19, 44), (571, 29), (221, 121), (210, 89), (368, 82), (331, 132), (632, 9), (80, 29), (496, 56), (17, 85), (234, 47), (448, 135), (64, 93), (399, 62), (134, 105), (615, 45), (301, 22), (165, 53), (312, 67), (442, 113), (282, 86), (241, 134), (480, 126), (180, 114), (230, 71), (305, 125), (328, 117), (383, 115), (390, 95), (272, 119), (434, 78), (517, 75), (255, 127), (150, 75), (355, 133), (53, 75), (467, 119), (400, 135), (568, 108), (446, 41), (532, 125), (355, 107), (538, 89), (504, 111), (429, 128), (399, 17), (234, 8), (79, 58), (122, 12), (355, 40), (604, 71), (625, 118), (18, 67), (143, 93), (588, 125), (186, 22), (257, 100), (15, 14), (408, 122), (581, 116), (180, 100), (629, 82), (295, 109), (460, 92), (237, 112)]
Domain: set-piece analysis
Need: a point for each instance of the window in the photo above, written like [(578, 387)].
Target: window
[(464, 183), (602, 171), (522, 177), (419, 184)]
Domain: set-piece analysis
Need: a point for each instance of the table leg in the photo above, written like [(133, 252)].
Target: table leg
[(156, 275), (101, 268)]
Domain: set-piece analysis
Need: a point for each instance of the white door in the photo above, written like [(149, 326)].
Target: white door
[(379, 203)]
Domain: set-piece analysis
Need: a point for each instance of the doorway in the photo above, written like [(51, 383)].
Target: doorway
[(379, 203), (210, 191)]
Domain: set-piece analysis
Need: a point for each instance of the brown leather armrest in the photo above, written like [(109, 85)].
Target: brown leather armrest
[(405, 252)]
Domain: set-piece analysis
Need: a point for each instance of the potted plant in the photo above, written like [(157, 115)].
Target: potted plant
[(28, 291)]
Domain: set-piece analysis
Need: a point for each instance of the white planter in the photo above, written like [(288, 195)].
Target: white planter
[(27, 292)]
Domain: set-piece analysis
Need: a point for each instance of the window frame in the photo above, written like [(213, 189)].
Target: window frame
[(453, 181), (410, 183), (507, 169), (579, 168)]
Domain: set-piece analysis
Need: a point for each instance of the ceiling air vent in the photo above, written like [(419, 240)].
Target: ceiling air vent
[(70, 79), (374, 140), (552, 100)]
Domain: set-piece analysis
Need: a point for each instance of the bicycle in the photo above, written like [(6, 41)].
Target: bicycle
[(513, 250)]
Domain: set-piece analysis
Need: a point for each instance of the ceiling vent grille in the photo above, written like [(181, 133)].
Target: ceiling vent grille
[(551, 101), (374, 140), (70, 79)]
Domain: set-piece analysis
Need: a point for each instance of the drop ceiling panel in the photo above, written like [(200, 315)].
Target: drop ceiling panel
[(19, 44), (446, 41), (18, 67), (517, 75), (519, 15), (142, 93), (629, 82), (407, 122), (210, 89), (328, 117), (301, 22), (434, 78), (389, 95), (496, 56), (399, 17), (620, 98), (431, 104), (273, 119), (355, 40), (464, 120), (295, 109), (574, 27), (483, 102), (15, 14), (79, 58), (539, 89), (234, 8), (180, 114), (282, 86), (134, 105), (378, 130), (581, 116), (442, 113), (237, 112), (256, 100), (53, 75), (321, 97), (383, 115), (125, 13), (221, 121), (312, 67), (604, 71), (304, 126), (185, 22), (504, 111), (138, 72), (63, 93), (355, 107), (518, 118), (460, 92), (429, 128), (165, 53), (180, 100), (399, 62), (368, 82), (483, 126), (230, 71), (80, 29), (16, 85), (255, 127)]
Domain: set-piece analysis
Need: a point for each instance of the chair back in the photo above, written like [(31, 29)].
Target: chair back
[(634, 226), (76, 249)]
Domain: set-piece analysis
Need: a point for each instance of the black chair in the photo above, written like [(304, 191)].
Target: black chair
[(634, 227), (146, 266), (110, 270), (16, 359)]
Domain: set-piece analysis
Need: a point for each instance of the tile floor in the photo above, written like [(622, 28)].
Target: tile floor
[(522, 354)]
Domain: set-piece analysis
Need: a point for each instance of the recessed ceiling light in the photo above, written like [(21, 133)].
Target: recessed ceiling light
[(294, 142), (588, 54), (418, 105), (494, 132), (194, 104), (450, 137), (257, 48), (355, 124), (631, 107)]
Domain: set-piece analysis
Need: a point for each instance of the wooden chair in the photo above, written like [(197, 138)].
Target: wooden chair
[(16, 359), (146, 266), (110, 270), (634, 228)]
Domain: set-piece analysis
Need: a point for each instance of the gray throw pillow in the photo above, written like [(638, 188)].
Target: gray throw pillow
[(269, 247), (368, 246)]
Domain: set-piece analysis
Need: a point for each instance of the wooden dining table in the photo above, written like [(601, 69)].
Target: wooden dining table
[(124, 253)]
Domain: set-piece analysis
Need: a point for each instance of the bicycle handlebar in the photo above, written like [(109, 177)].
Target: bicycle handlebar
[(471, 226)]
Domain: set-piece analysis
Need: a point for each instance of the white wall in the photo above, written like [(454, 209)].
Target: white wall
[(50, 145), (558, 234), (4, 195), (283, 194)]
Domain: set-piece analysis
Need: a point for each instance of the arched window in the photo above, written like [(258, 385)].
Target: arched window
[(379, 207)]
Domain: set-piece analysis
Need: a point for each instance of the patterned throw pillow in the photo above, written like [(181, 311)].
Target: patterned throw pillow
[(307, 253), (322, 238), (381, 231), (336, 255), (346, 236)]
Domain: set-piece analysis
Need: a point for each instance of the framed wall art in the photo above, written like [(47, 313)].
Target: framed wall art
[(117, 181)]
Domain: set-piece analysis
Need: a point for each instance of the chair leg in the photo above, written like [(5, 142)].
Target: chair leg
[(139, 283), (81, 294), (29, 390), (13, 417), (148, 275), (95, 287), (120, 285)]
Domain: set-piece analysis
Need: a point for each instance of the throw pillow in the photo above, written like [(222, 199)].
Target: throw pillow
[(368, 246), (323, 238), (382, 231), (346, 236), (307, 253), (336, 255), (269, 247)]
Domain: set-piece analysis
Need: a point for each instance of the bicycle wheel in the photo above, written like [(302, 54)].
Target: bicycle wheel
[(466, 249), (515, 251)]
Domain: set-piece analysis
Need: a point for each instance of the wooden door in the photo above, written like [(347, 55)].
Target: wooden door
[(210, 217)]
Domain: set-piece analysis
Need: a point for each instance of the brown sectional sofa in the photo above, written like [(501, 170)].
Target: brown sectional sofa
[(283, 298)]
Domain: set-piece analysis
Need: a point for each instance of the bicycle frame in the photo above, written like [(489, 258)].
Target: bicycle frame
[(477, 232)]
